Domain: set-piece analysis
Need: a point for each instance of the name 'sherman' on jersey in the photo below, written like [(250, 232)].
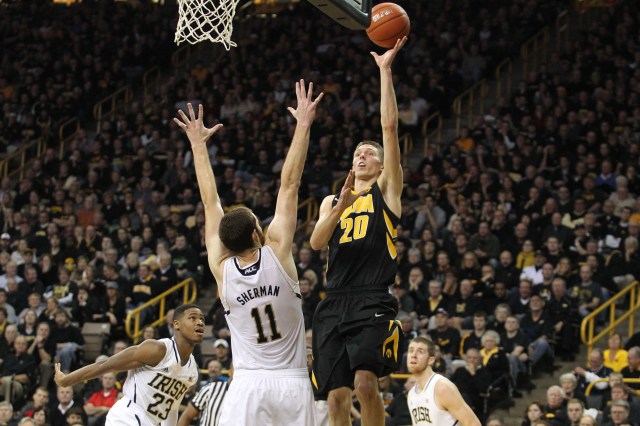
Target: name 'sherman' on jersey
[(257, 292)]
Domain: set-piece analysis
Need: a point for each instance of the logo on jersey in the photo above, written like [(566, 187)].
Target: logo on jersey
[(251, 270), (391, 344), (420, 414)]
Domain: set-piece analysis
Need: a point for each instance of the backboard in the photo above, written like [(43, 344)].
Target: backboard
[(352, 14)]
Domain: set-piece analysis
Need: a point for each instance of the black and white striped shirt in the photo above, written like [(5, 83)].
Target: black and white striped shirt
[(208, 401)]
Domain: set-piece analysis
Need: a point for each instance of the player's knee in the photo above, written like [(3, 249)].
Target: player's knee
[(339, 401), (366, 385)]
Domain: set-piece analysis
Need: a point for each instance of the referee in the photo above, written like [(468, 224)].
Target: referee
[(207, 403)]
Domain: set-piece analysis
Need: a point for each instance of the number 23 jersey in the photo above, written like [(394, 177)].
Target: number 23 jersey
[(263, 308), (158, 390)]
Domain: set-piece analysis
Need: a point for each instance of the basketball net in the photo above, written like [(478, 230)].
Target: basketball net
[(200, 20)]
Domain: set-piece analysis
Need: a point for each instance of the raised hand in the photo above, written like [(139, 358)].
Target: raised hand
[(305, 112), (59, 376), (194, 127), (347, 196), (385, 60)]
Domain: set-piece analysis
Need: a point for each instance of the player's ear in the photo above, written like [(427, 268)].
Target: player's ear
[(431, 361)]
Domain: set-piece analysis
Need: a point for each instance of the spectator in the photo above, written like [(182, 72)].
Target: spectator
[(222, 353), (556, 406), (533, 413), (520, 299), (16, 371), (99, 403), (494, 358), (473, 339), (615, 357), (569, 384), (59, 407), (619, 392), (619, 413), (515, 344), (575, 411), (43, 348), (485, 244), (6, 413), (39, 399), (7, 340), (537, 326), (464, 306), (632, 370), (595, 370), (589, 293), (113, 310), (10, 310), (563, 313), (472, 379), (445, 337), (67, 338)]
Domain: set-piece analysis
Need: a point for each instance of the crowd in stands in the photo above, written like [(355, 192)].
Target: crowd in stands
[(509, 235)]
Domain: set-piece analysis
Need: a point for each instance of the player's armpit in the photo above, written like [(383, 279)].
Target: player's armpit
[(450, 399)]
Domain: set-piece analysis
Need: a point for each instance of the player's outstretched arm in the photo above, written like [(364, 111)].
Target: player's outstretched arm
[(330, 215), (390, 180), (149, 352), (198, 136), (283, 226), (449, 398)]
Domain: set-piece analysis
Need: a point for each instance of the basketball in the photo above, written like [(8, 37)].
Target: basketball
[(389, 22)]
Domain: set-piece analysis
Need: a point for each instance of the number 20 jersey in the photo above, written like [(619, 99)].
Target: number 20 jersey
[(362, 248), (158, 390), (263, 308)]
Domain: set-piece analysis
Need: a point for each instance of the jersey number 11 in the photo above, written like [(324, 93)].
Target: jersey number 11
[(275, 334)]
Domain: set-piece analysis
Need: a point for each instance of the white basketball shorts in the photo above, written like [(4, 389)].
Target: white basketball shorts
[(269, 398)]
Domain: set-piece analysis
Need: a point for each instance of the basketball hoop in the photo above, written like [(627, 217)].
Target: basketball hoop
[(200, 20)]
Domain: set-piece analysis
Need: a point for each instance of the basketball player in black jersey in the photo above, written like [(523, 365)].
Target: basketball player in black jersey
[(355, 336)]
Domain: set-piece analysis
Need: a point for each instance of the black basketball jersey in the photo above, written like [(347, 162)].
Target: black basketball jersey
[(362, 248)]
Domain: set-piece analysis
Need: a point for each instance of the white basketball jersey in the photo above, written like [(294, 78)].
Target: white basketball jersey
[(158, 390), (423, 408), (264, 313)]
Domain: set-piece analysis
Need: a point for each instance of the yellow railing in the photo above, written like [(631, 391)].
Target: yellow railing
[(406, 142), (429, 132), (504, 75), (132, 323), (14, 164), (587, 327), (562, 29), (589, 388), (311, 206), (151, 81), (534, 51), (107, 108), (469, 103), (66, 132)]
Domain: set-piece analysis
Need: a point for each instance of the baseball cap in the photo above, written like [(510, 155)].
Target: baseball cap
[(442, 311), (221, 342), (5, 236), (112, 284)]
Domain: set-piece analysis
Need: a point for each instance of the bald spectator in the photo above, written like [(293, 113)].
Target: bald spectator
[(632, 370), (595, 370)]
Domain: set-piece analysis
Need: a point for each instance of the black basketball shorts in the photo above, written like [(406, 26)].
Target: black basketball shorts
[(354, 330)]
